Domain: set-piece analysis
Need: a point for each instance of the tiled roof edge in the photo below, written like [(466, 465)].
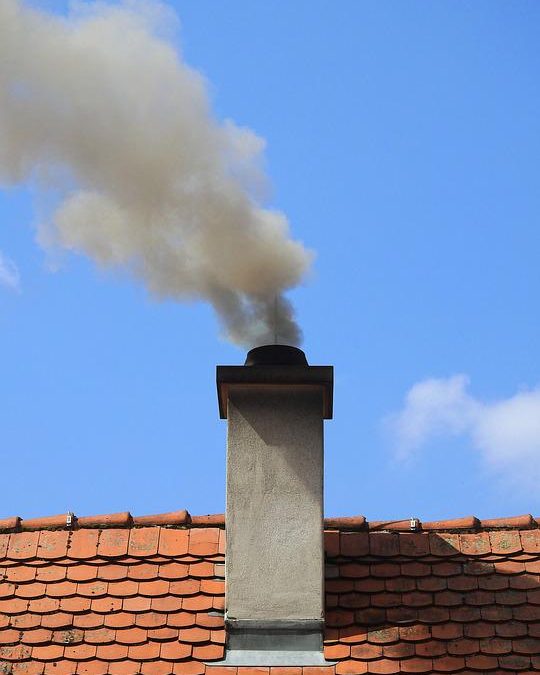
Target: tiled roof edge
[(70, 521), (466, 524)]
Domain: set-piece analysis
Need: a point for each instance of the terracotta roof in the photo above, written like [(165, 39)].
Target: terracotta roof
[(183, 518), (121, 595)]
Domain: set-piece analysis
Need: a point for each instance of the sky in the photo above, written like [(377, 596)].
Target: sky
[(403, 145)]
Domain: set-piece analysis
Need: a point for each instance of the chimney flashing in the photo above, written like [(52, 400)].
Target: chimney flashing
[(273, 658), (274, 643)]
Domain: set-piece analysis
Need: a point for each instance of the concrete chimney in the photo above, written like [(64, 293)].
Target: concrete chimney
[(275, 406)]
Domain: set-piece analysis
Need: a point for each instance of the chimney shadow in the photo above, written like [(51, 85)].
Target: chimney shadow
[(449, 601), (282, 432)]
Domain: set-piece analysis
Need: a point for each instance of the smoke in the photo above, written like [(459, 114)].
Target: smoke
[(100, 109)]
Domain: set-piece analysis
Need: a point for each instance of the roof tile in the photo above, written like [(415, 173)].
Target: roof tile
[(113, 543), (530, 541), (211, 520), (467, 523), (92, 668), (444, 544), (204, 541), (81, 572), (88, 620), (397, 601), (119, 620), (106, 605), (23, 545), (83, 544), (144, 571), (354, 544), (384, 666), (48, 522), (53, 544), (174, 543), (9, 524), (524, 521), (475, 544), (505, 542), (200, 570), (173, 518), (79, 652), (147, 651), (143, 542), (181, 619), (414, 544), (123, 589), (167, 604), (93, 589), (49, 652), (57, 620), (122, 519), (136, 604), (384, 544), (154, 588), (417, 665), (348, 523)]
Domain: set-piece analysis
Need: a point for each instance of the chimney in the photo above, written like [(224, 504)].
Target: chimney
[(275, 406)]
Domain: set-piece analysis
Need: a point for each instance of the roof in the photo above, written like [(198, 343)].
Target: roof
[(120, 595)]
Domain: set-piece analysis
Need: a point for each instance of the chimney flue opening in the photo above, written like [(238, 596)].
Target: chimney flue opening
[(276, 355)]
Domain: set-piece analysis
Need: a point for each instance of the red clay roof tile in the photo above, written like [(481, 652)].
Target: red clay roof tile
[(83, 544), (505, 542), (53, 545), (122, 519), (143, 543), (516, 522), (113, 543), (48, 522), (164, 519), (348, 523), (8, 524), (23, 545), (114, 597), (174, 542), (467, 523)]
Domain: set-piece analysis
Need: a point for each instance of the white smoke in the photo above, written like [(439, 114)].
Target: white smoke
[(101, 108)]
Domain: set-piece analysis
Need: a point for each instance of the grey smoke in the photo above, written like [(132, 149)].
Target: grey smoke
[(100, 108)]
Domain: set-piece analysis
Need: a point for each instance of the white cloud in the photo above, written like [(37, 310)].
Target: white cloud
[(506, 433), (9, 273)]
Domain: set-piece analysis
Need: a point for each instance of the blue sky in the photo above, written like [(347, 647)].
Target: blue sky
[(403, 143)]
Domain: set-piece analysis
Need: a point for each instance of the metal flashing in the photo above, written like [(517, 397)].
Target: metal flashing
[(254, 658), (274, 643)]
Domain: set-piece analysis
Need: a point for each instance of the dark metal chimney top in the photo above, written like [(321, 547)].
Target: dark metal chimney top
[(276, 355), (276, 365)]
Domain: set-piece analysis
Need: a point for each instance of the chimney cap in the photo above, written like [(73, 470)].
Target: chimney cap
[(276, 355), (273, 366)]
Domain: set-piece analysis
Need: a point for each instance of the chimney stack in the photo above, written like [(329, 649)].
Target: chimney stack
[(275, 406)]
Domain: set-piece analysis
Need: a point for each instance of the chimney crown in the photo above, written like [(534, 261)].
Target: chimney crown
[(270, 366)]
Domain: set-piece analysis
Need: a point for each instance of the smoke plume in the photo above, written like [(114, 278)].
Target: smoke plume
[(99, 108)]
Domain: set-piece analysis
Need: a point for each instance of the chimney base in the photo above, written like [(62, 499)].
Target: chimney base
[(274, 643), (272, 658)]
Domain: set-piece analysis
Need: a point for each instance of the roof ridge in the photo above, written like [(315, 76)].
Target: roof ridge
[(182, 518)]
